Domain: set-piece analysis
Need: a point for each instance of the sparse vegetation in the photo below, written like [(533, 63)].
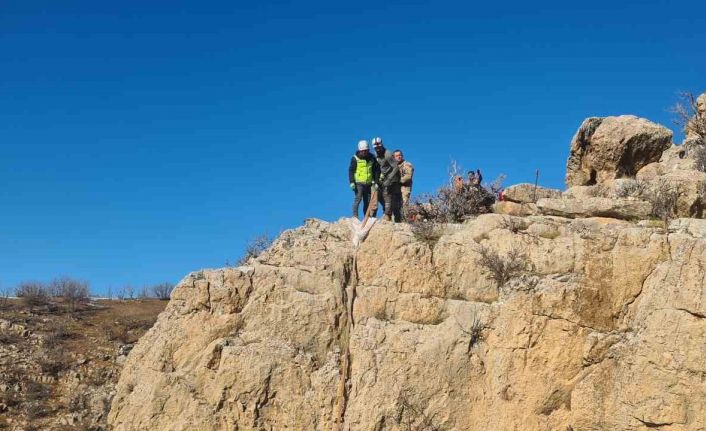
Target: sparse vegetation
[(663, 197), (455, 201), (73, 292), (162, 291), (690, 116), (631, 188), (501, 268), (32, 293), (411, 416), (474, 333), (39, 352), (427, 231), (254, 248)]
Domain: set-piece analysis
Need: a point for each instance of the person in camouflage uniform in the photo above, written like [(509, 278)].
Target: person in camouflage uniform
[(406, 174)]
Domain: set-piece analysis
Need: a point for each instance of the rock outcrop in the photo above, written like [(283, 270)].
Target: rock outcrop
[(614, 147), (529, 193), (580, 310), (600, 326)]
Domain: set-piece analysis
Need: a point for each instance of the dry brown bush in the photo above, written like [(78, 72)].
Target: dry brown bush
[(163, 291), (456, 201), (255, 247), (411, 416), (663, 197), (631, 188), (426, 231), (501, 268), (32, 293), (688, 116), (73, 292)]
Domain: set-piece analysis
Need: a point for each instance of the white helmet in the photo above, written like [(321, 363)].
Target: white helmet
[(377, 141), (362, 145)]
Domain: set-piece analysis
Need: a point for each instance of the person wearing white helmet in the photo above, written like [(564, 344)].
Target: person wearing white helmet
[(363, 173), (389, 182)]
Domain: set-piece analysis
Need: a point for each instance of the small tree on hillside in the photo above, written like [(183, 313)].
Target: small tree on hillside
[(690, 114), (32, 293), (72, 291), (163, 291), (255, 247)]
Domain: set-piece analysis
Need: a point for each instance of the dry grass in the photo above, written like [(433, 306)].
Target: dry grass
[(65, 337)]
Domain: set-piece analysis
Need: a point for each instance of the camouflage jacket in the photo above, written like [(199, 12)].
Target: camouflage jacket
[(406, 173)]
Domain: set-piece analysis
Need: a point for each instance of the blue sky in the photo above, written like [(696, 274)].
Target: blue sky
[(140, 141)]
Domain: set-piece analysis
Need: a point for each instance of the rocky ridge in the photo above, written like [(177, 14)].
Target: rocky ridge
[(582, 311)]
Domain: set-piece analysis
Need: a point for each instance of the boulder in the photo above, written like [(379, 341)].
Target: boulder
[(514, 208), (614, 147), (624, 209), (528, 193)]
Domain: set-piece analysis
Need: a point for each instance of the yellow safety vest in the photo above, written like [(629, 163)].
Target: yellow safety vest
[(363, 171)]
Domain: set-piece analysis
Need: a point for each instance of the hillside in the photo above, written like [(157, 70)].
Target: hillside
[(59, 365)]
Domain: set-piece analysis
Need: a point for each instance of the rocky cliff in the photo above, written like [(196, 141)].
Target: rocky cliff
[(535, 322)]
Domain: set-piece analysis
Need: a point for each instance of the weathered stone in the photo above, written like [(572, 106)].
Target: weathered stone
[(604, 330), (614, 147), (514, 208), (527, 193), (625, 209)]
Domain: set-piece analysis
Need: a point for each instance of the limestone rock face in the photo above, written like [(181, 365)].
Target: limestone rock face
[(614, 147), (528, 193), (601, 327), (625, 209)]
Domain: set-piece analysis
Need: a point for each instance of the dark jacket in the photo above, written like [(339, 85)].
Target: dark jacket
[(354, 164), (388, 167)]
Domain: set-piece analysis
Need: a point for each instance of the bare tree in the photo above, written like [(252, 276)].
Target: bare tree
[(255, 247), (72, 291), (144, 293), (163, 291), (690, 114), (32, 293)]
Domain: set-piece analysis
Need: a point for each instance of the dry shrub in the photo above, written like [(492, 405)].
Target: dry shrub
[(73, 292), (36, 391), (128, 330), (456, 201), (412, 417), (56, 336), (689, 117), (501, 268), (163, 291), (5, 298), (254, 248), (426, 231), (9, 338), (663, 197), (631, 188), (53, 362), (32, 293)]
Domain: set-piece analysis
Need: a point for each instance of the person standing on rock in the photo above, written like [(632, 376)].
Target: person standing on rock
[(389, 182), (363, 173), (406, 174)]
